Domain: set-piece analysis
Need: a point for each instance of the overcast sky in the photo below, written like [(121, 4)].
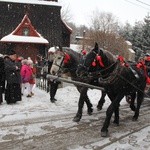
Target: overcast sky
[(123, 10)]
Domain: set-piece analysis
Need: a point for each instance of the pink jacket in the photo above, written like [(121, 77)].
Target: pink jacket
[(26, 73)]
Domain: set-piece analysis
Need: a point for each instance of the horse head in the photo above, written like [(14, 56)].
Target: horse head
[(57, 61), (65, 60), (88, 63), (96, 59)]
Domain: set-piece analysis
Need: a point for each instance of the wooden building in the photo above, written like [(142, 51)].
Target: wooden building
[(45, 17), (26, 41)]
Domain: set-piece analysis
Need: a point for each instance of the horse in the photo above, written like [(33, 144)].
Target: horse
[(66, 61), (117, 79)]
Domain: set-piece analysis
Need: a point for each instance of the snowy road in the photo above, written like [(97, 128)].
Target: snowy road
[(58, 132)]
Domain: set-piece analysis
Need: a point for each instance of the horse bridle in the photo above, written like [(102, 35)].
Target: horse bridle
[(86, 68), (61, 66)]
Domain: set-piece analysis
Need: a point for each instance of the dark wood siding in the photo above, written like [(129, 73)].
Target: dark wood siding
[(46, 20)]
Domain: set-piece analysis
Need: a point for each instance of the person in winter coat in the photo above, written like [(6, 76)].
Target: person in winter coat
[(32, 79), (2, 78), (53, 84), (26, 74), (13, 79)]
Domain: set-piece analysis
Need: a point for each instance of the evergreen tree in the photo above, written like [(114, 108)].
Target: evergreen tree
[(126, 32), (137, 39), (146, 34)]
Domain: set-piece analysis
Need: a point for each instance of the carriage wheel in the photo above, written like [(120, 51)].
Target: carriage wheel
[(128, 99)]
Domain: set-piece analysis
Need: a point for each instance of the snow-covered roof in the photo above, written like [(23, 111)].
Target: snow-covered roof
[(79, 37), (76, 47), (35, 38), (129, 43), (131, 50), (70, 29), (24, 39), (37, 2)]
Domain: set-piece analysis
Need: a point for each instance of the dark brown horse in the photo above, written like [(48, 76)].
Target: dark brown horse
[(117, 80), (66, 60)]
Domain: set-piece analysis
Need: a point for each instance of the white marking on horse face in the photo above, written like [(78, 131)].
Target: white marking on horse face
[(51, 57), (57, 63), (54, 69)]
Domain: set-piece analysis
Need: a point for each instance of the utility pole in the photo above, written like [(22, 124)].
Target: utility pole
[(83, 43)]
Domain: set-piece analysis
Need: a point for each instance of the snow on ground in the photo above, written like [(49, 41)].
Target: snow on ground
[(40, 106)]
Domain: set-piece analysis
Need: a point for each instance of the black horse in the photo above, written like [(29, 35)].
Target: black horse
[(117, 79), (66, 61)]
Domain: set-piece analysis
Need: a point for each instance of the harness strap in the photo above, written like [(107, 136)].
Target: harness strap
[(141, 65), (99, 58)]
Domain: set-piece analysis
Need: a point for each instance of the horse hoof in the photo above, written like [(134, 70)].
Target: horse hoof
[(134, 119), (116, 123), (99, 107), (76, 119), (132, 108), (104, 133), (90, 112)]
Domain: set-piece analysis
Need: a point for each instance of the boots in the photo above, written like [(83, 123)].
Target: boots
[(53, 100)]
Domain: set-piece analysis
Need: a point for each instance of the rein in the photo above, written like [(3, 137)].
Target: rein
[(107, 68)]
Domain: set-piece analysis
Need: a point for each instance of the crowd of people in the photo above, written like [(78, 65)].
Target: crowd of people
[(16, 75)]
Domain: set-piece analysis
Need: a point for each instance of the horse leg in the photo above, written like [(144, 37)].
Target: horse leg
[(140, 97), (89, 105), (132, 106), (116, 119), (114, 106), (101, 101), (78, 116)]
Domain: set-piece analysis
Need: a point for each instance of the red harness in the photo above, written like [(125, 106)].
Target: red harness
[(66, 58), (141, 65), (99, 59)]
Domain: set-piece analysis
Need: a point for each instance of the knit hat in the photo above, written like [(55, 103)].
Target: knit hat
[(11, 52), (52, 50)]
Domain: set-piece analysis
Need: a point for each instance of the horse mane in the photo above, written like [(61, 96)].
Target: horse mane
[(109, 55), (74, 54)]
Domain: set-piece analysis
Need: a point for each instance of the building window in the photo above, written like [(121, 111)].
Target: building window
[(26, 31)]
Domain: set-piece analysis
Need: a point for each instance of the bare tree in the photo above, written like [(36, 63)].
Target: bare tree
[(104, 21), (104, 29), (65, 12)]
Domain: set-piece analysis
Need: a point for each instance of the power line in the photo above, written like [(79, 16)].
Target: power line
[(137, 5), (143, 3)]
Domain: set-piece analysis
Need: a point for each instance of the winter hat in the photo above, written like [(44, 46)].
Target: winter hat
[(29, 58), (52, 50), (11, 52), (24, 62), (29, 62)]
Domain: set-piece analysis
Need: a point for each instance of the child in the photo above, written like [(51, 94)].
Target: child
[(32, 79)]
